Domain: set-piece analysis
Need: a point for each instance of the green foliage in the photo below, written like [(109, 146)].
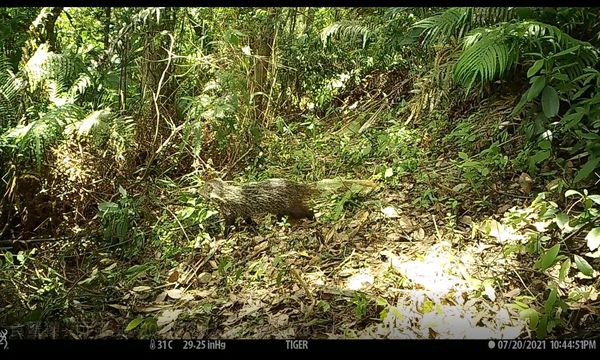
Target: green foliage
[(13, 31), (345, 30), (487, 58), (119, 221), (361, 302), (490, 52), (550, 224), (29, 143), (339, 205), (547, 212), (397, 147), (53, 73), (477, 169), (10, 88), (46, 295), (561, 68), (308, 94), (454, 22), (543, 321), (145, 327)]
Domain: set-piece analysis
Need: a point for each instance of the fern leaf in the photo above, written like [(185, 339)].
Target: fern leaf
[(439, 28), (485, 60), (345, 30)]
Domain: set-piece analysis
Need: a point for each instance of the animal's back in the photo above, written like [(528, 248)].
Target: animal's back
[(273, 196)]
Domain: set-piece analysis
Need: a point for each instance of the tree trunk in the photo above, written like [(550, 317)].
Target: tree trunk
[(264, 44), (49, 26), (107, 11)]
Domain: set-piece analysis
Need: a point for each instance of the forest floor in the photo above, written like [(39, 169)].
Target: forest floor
[(427, 254), (388, 269)]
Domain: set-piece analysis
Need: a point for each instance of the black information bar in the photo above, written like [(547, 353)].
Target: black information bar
[(295, 346)]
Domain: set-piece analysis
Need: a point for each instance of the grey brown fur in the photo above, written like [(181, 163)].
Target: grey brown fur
[(274, 196)]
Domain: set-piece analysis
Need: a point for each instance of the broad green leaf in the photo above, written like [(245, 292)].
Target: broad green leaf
[(397, 313), (186, 212), (542, 329), (589, 136), (550, 102), (570, 50), (532, 315), (122, 191), (133, 324), (572, 192), (540, 156), (562, 220), (548, 258), (8, 256), (103, 206), (595, 198), (563, 77), (572, 119), (539, 82), (535, 68), (593, 239), (549, 304), (564, 269), (583, 265), (521, 104), (545, 145), (381, 301), (586, 169)]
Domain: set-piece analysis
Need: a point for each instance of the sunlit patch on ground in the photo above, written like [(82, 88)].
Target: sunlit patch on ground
[(442, 303)]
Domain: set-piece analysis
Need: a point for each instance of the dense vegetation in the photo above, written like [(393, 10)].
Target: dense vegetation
[(479, 126)]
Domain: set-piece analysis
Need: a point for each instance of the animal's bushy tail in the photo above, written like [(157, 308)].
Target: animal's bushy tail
[(332, 185)]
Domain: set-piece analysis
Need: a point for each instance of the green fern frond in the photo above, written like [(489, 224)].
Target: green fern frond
[(346, 30), (395, 11), (10, 89), (30, 142), (536, 32), (45, 66), (5, 65), (105, 130), (439, 28), (487, 58), (493, 15), (80, 85), (489, 53), (554, 42)]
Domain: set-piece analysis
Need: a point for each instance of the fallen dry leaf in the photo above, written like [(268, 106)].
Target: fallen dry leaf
[(173, 277), (204, 277), (161, 297), (141, 288), (167, 316), (175, 293)]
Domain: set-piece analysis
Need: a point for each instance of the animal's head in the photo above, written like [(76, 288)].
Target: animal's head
[(213, 188)]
